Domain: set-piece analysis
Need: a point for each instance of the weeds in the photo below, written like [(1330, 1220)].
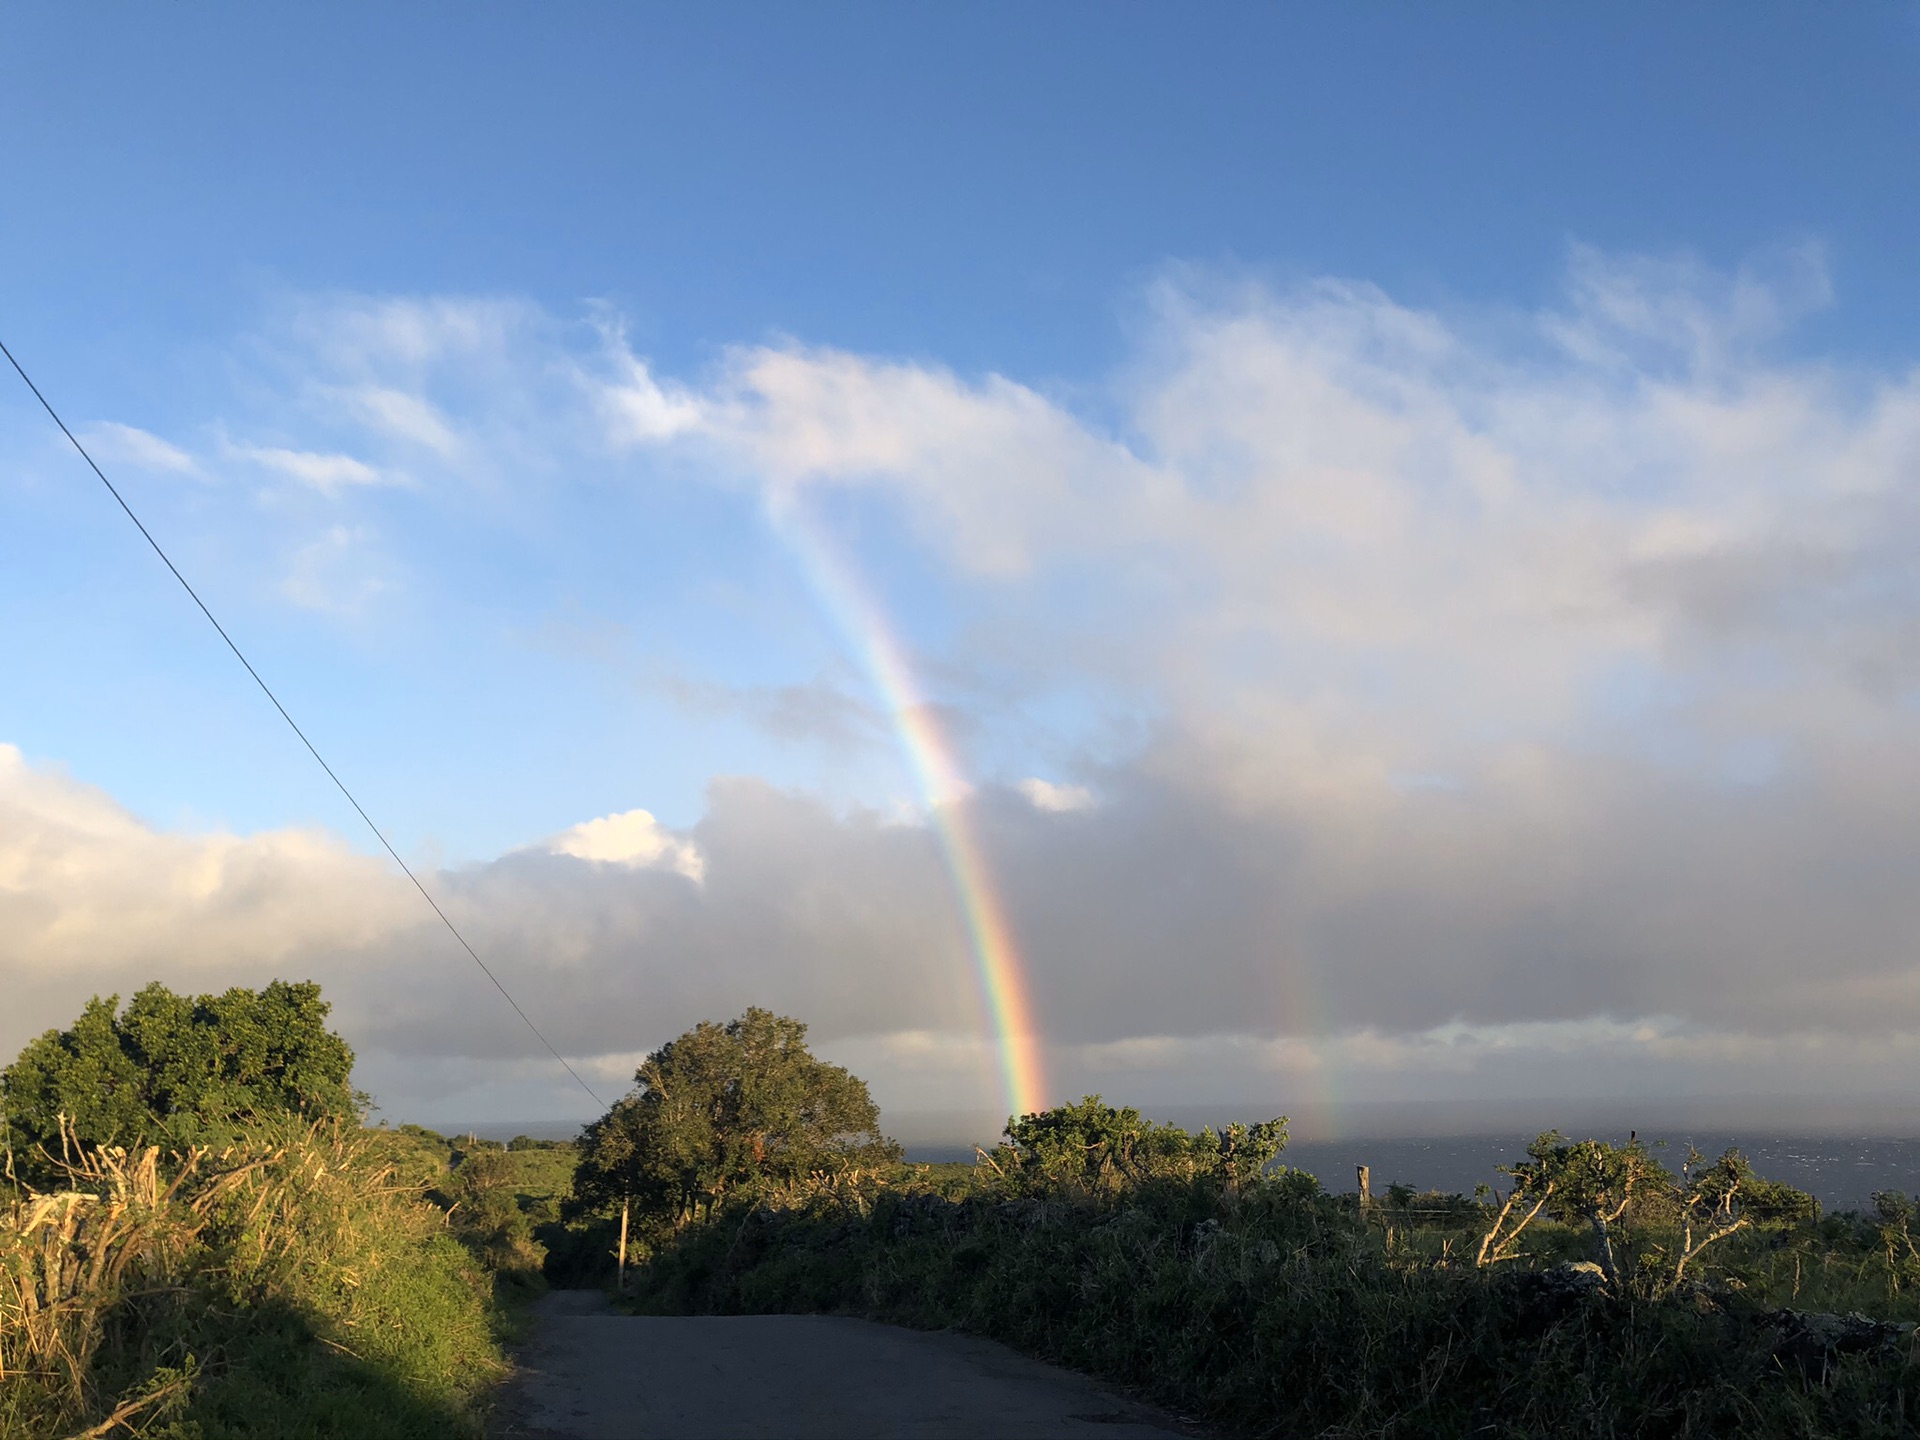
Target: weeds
[(292, 1284)]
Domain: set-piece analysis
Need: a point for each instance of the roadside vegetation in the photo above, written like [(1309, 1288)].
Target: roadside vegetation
[(1603, 1293), (199, 1238)]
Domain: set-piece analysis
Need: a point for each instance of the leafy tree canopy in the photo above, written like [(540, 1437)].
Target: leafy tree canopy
[(173, 1069), (724, 1110), (1605, 1185), (1096, 1145)]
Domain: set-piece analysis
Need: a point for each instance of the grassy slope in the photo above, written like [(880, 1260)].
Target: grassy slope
[(300, 1287), (542, 1177)]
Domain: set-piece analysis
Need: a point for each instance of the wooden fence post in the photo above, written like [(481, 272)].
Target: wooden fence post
[(620, 1281)]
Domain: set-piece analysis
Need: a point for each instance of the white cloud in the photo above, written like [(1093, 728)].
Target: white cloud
[(1056, 798), (638, 410), (365, 336), (633, 838), (990, 470), (327, 473), (110, 442), (1347, 538), (92, 898), (1633, 311), (405, 417)]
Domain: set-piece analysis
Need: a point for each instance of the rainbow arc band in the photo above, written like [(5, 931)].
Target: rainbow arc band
[(1001, 975)]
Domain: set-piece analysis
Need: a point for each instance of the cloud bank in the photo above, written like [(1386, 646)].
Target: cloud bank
[(1507, 701)]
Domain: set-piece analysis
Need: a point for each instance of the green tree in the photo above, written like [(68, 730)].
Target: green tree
[(1094, 1145), (1601, 1185), (727, 1110), (175, 1070), (1584, 1182)]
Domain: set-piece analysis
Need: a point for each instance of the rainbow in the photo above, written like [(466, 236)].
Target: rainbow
[(930, 754)]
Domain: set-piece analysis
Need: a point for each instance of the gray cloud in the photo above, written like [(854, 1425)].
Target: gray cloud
[(818, 712), (1727, 913)]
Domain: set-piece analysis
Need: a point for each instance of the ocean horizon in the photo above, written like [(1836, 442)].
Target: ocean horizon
[(1843, 1172)]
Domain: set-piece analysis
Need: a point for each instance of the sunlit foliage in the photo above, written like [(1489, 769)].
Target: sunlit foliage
[(726, 1110), (174, 1071)]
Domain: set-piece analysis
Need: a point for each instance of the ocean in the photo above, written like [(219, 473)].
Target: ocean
[(1842, 1173)]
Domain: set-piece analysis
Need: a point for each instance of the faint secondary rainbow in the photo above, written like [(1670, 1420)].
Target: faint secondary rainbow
[(1002, 977)]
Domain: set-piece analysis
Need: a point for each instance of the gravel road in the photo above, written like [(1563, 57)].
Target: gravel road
[(587, 1372)]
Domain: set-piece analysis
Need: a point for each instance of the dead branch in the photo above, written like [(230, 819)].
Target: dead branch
[(1504, 1250)]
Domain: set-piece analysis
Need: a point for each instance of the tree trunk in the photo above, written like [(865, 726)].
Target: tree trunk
[(1603, 1242)]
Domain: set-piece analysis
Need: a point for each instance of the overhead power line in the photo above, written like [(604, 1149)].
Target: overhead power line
[(266, 690)]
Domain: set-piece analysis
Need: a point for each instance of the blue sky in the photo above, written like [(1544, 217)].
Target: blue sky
[(283, 248), (984, 185)]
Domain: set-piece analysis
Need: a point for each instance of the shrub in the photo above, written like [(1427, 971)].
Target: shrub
[(1094, 1146), (487, 1217)]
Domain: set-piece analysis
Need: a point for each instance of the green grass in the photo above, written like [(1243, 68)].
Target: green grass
[(542, 1178)]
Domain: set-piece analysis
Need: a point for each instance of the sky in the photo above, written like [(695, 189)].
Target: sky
[(1363, 553)]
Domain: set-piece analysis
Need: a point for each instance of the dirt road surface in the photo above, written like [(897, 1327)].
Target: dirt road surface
[(587, 1372)]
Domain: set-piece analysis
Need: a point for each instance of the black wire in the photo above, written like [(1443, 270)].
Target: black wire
[(265, 690)]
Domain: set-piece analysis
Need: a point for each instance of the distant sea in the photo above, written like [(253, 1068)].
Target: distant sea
[(1841, 1173)]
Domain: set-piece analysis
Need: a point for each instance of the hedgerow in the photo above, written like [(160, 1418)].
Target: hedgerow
[(1265, 1305)]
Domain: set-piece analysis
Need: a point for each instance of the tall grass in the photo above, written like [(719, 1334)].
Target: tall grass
[(291, 1284)]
